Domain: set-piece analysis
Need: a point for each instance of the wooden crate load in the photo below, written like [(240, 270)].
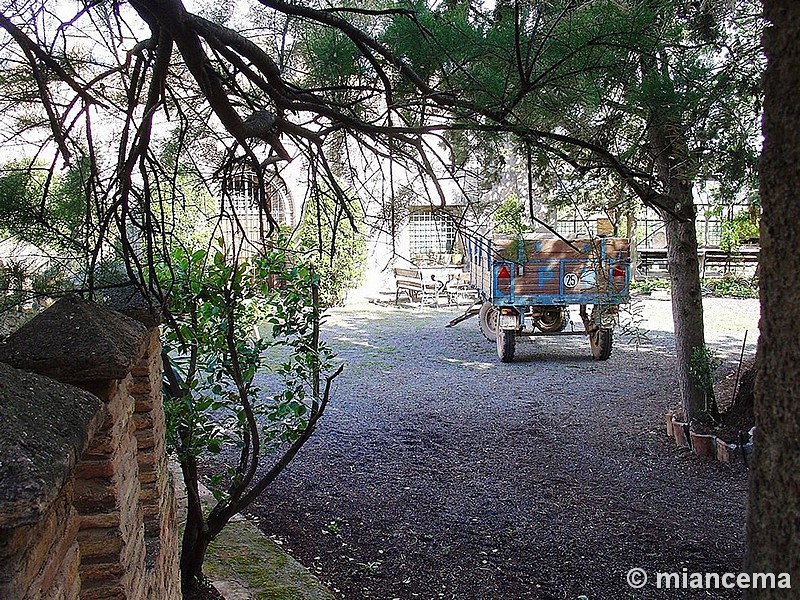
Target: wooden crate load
[(550, 266)]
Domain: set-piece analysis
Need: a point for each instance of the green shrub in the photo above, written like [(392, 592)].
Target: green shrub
[(337, 251), (509, 217), (703, 364), (214, 402), (649, 285), (733, 286)]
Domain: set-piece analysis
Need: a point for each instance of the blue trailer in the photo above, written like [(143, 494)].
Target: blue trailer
[(528, 284)]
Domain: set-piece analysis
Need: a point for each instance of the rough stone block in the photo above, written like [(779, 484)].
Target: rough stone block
[(44, 428), (11, 540), (137, 303), (143, 420), (89, 469), (148, 459), (69, 576), (147, 479), (145, 438), (101, 446), (75, 340), (65, 546), (149, 496), (87, 540), (100, 520), (141, 385), (150, 361), (109, 591), (97, 495)]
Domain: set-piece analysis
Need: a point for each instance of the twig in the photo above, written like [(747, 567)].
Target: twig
[(739, 369)]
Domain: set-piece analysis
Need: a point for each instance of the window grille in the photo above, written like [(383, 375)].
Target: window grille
[(243, 193), (431, 232), (573, 227)]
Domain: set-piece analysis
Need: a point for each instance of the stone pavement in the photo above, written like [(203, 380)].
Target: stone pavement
[(244, 564)]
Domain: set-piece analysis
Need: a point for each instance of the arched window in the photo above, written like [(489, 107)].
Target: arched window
[(242, 191)]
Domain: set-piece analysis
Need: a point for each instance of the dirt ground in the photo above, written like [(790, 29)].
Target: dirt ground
[(439, 472)]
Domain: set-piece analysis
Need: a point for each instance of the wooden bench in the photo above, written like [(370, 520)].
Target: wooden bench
[(415, 287), (714, 258), (709, 257), (654, 259)]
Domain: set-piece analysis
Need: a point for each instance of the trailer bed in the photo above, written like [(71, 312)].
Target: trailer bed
[(551, 271)]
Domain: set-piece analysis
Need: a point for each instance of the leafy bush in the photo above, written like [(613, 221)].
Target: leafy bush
[(735, 231), (217, 405), (649, 285), (732, 286), (216, 307), (703, 364), (337, 251), (729, 286), (509, 217)]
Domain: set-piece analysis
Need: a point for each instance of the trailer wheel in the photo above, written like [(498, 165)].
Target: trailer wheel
[(553, 321), (601, 342), (487, 321), (505, 345)]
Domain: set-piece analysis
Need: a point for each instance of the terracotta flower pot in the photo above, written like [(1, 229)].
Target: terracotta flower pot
[(725, 451), (679, 434), (704, 445)]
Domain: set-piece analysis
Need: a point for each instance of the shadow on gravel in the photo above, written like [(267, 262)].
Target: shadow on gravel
[(440, 473)]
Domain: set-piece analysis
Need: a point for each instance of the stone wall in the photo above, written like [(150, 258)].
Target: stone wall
[(87, 505)]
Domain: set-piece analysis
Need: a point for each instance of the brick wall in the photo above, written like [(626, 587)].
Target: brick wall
[(87, 504)]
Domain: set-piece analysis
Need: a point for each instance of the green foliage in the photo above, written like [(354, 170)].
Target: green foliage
[(26, 290), (13, 284), (743, 226), (728, 286), (703, 364), (43, 211), (218, 404), (732, 286), (338, 58), (509, 218), (188, 209), (45, 215), (650, 284), (337, 251), (216, 306), (620, 77)]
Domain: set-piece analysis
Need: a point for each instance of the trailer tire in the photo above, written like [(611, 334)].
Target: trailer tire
[(601, 341), (553, 321), (487, 321), (505, 345)]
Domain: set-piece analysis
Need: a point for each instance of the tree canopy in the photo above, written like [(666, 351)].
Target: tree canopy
[(122, 83)]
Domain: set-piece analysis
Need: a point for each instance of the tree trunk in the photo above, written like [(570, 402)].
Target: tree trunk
[(672, 162), (195, 535), (773, 528), (687, 303), (684, 267)]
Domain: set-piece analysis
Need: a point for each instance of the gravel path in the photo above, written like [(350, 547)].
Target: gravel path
[(439, 472)]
